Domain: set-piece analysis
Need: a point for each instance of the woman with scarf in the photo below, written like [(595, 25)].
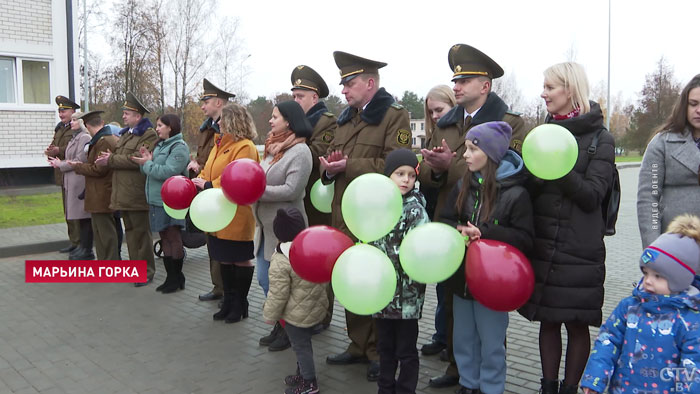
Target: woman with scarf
[(287, 163)]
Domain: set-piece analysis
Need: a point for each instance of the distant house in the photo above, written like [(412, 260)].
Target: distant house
[(35, 59), (418, 133)]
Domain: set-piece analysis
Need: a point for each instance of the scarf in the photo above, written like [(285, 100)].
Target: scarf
[(570, 115), (277, 144)]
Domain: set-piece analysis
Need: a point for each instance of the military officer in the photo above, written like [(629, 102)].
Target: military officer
[(370, 127), (128, 183), (213, 100), (62, 135), (443, 165)]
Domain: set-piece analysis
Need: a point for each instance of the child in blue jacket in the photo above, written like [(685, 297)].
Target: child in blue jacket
[(651, 342)]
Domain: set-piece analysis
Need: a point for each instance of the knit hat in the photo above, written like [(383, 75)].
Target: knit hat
[(675, 257), (287, 224), (398, 158), (491, 137), (295, 116)]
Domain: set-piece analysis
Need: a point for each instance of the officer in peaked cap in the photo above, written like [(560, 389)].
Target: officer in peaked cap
[(213, 101), (442, 166), (133, 104), (370, 127), (306, 78), (57, 148)]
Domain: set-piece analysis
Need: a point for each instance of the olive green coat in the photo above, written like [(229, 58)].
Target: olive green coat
[(366, 138), (452, 129), (205, 142), (128, 183), (62, 135), (324, 123), (98, 179)]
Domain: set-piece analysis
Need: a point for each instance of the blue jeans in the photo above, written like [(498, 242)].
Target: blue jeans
[(479, 345), (262, 266), (440, 335)]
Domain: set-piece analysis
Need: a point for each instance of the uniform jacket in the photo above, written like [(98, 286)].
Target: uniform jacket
[(128, 183), (205, 141), (98, 179), (324, 124), (74, 183), (286, 182), (170, 157), (569, 254), (409, 295), (668, 183), (242, 227), (452, 129), (62, 134), (297, 301), (510, 220), (366, 137), (647, 343)]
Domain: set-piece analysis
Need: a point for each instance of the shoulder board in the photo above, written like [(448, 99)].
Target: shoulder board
[(397, 106), (329, 114), (514, 113)]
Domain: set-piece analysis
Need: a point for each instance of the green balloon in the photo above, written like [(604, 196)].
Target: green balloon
[(363, 279), (550, 151), (431, 252), (175, 213), (371, 206), (322, 196), (211, 211)]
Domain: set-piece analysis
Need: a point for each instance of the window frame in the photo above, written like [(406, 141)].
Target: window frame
[(19, 104)]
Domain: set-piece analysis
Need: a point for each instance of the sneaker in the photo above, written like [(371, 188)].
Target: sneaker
[(306, 387), (293, 380)]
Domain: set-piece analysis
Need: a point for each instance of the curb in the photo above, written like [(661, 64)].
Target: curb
[(629, 165), (35, 248)]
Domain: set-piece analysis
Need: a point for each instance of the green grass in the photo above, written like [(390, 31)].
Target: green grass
[(624, 159), (19, 211)]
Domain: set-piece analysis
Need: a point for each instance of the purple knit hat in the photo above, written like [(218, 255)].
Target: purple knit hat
[(675, 257), (491, 137)]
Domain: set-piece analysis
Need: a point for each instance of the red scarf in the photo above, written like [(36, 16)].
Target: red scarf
[(576, 112)]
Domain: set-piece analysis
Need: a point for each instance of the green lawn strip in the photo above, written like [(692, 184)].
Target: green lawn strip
[(625, 159), (32, 210)]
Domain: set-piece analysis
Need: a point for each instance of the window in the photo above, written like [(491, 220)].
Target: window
[(413, 126), (24, 81), (422, 126), (414, 141)]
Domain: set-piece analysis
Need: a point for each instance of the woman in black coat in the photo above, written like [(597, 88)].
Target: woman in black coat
[(569, 253)]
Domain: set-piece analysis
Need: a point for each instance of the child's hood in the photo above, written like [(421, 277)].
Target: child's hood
[(510, 165), (284, 248), (654, 303)]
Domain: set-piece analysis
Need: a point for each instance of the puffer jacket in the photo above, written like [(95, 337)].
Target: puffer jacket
[(649, 342), (170, 157), (297, 301), (409, 295), (510, 220), (569, 254)]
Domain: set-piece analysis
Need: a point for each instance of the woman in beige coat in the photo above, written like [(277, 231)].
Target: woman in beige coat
[(74, 186)]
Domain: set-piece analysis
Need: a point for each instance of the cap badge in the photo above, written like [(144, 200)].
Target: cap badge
[(458, 68), (300, 68), (298, 82)]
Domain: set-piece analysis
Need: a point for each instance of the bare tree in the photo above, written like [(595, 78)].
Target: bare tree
[(507, 89), (158, 34)]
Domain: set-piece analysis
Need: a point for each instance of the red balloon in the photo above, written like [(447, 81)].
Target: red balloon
[(178, 192), (315, 250), (499, 276), (243, 181)]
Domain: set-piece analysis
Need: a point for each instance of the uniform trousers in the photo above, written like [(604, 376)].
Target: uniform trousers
[(105, 238), (138, 239)]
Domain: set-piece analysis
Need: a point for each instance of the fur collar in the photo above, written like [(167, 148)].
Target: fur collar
[(144, 124), (373, 113), (209, 124), (493, 109), (316, 112)]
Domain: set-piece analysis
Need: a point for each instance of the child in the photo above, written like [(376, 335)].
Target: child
[(651, 342), (488, 202), (300, 303), (397, 323)]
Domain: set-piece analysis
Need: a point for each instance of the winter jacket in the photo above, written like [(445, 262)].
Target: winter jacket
[(569, 253), (409, 295), (205, 142), (297, 301), (74, 183), (98, 179), (668, 183), (286, 181), (128, 183), (510, 220), (649, 344), (170, 157), (324, 124), (61, 136), (242, 227)]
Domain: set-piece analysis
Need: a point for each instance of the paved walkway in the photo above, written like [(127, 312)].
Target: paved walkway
[(114, 338)]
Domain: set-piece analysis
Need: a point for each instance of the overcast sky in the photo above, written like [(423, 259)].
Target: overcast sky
[(524, 37)]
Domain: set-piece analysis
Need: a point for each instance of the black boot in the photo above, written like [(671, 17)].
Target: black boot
[(268, 339), (281, 342), (568, 389), (227, 281), (168, 275), (549, 386), (235, 314), (175, 276), (244, 277)]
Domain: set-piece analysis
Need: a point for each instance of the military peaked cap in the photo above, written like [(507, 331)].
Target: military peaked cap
[(133, 104), (212, 91), (64, 102), (351, 66), (467, 61), (89, 115), (305, 77)]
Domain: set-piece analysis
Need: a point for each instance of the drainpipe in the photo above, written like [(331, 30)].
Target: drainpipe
[(69, 35)]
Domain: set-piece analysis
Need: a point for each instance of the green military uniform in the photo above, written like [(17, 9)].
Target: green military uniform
[(366, 137), (205, 142), (98, 191), (129, 185), (62, 135), (465, 62), (324, 126)]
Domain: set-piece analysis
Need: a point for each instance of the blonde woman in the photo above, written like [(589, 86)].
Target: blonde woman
[(569, 253), (438, 101), (233, 245)]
